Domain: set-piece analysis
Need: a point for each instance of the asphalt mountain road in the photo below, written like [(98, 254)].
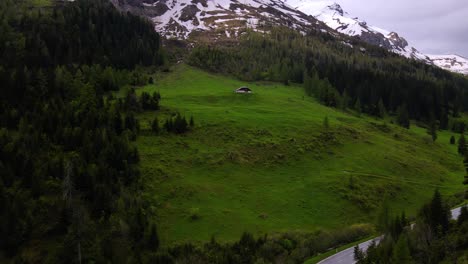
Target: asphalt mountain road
[(347, 256)]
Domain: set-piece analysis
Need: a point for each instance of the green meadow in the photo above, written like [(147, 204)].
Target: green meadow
[(41, 3), (265, 162)]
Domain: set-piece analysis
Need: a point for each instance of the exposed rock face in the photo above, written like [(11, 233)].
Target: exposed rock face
[(376, 39), (229, 18), (336, 7), (148, 8), (188, 13), (397, 40), (334, 17), (218, 19)]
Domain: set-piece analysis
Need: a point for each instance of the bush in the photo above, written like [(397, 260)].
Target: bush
[(194, 214), (452, 140)]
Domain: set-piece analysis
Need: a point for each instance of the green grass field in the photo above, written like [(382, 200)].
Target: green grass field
[(264, 162), (41, 3)]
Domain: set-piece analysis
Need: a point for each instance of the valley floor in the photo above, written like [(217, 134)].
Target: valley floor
[(265, 163)]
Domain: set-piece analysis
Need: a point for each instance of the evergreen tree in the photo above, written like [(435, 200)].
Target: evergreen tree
[(432, 129), (357, 107), (308, 85), (403, 117), (396, 227), (462, 145), (326, 123), (401, 253), (131, 122), (168, 125), (463, 217), (383, 217), (358, 254), (155, 125), (156, 96), (444, 120), (452, 140), (192, 122), (345, 100), (438, 214), (153, 239), (382, 110), (118, 126)]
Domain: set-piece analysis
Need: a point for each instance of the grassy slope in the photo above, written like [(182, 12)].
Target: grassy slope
[(42, 3), (260, 162)]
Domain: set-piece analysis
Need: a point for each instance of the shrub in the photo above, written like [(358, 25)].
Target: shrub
[(194, 214)]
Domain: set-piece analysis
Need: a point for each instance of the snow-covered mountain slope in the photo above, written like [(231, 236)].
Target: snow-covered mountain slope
[(213, 20), (334, 17), (182, 18), (454, 63)]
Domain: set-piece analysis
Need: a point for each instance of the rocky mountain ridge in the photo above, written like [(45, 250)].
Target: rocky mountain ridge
[(336, 18), (228, 19)]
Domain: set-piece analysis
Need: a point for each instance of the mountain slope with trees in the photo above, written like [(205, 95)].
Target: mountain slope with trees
[(278, 162), (103, 160), (341, 76), (68, 168)]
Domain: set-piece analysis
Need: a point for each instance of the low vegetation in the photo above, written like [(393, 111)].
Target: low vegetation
[(432, 239), (270, 161)]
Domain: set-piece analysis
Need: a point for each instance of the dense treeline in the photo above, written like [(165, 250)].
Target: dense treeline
[(294, 247), (68, 168), (339, 75), (84, 32), (434, 238)]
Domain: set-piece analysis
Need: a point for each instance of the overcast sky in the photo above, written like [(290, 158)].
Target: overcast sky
[(432, 26)]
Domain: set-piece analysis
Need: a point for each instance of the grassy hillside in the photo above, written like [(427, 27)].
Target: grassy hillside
[(265, 163), (42, 3)]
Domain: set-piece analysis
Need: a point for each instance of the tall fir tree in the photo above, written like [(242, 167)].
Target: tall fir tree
[(153, 239), (432, 129), (462, 145), (357, 107), (382, 110), (401, 252), (403, 117)]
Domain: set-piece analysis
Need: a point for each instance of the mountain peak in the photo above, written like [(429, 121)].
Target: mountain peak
[(334, 17), (336, 7)]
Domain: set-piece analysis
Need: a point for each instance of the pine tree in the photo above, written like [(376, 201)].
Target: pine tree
[(403, 117), (401, 253), (117, 119), (169, 125), (382, 110), (358, 254), (432, 129), (463, 217), (383, 217), (462, 145), (153, 239), (396, 228), (438, 215), (326, 123), (155, 125), (465, 164), (357, 107), (192, 122), (443, 119), (345, 100)]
